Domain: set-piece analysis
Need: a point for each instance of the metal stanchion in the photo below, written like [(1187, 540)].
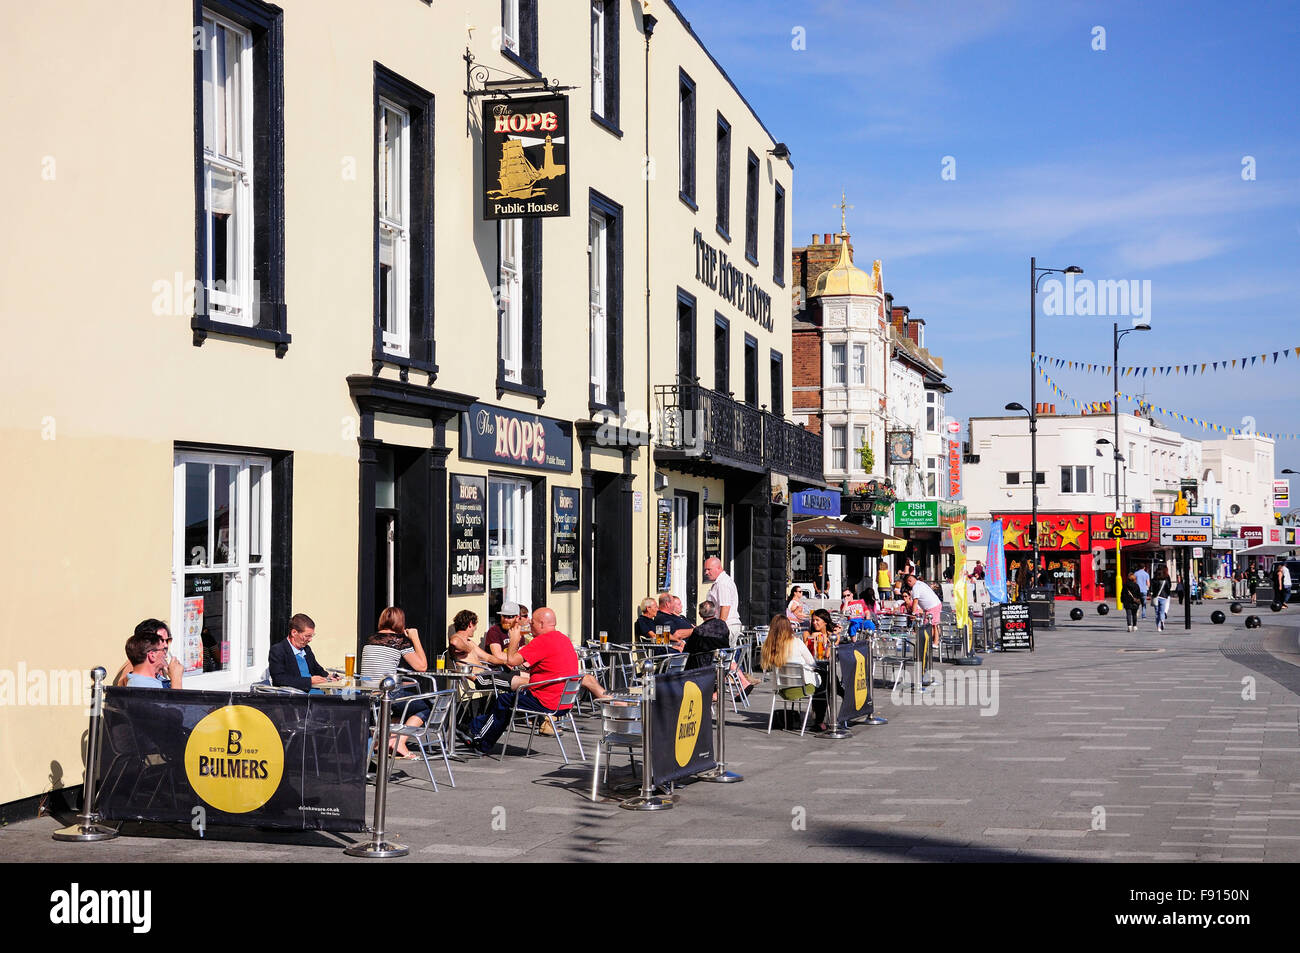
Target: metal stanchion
[(835, 732), (647, 800), (719, 773), (873, 718), (88, 827), (378, 847), (968, 644)]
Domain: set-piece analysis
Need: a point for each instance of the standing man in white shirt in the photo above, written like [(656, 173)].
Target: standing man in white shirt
[(1143, 579), (726, 597)]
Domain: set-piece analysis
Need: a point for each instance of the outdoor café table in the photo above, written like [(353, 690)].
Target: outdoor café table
[(619, 659), (450, 675)]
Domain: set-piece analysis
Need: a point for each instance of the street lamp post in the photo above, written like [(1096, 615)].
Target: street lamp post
[(1035, 274), (1114, 404)]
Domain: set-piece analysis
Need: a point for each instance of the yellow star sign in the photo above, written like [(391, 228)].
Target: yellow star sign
[(1012, 534), (1070, 536)]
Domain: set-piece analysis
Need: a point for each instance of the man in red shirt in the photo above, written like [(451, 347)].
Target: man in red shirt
[(548, 655)]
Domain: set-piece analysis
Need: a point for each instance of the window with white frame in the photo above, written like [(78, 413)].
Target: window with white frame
[(931, 476), (510, 576), (221, 566), (597, 250), (1076, 479), (510, 298), (510, 25), (228, 170), (931, 411), (839, 459), (859, 441), (838, 354), (686, 138), (598, 57), (394, 227), (859, 364)]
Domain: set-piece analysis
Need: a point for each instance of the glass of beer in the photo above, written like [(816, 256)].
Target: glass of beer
[(604, 638), (349, 665)]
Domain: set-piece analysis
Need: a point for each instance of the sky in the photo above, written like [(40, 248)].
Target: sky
[(1170, 156)]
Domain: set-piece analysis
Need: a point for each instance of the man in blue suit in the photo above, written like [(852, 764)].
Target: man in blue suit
[(291, 662)]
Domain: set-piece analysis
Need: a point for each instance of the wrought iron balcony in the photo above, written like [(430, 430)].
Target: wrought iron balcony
[(710, 426)]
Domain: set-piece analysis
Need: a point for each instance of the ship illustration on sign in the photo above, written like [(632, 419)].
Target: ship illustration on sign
[(517, 178)]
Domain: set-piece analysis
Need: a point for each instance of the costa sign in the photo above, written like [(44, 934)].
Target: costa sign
[(499, 435)]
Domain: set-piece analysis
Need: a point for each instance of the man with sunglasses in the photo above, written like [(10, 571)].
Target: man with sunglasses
[(147, 656), (169, 676)]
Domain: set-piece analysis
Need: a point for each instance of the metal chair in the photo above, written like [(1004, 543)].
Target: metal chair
[(731, 668), (572, 686), (432, 732), (266, 688), (620, 728), (791, 690), (671, 664)]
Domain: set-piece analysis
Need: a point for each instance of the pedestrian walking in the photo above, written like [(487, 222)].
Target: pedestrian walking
[(1129, 597), (1143, 579), (1160, 588)]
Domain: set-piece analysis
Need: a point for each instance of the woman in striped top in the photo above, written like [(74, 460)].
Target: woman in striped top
[(394, 644)]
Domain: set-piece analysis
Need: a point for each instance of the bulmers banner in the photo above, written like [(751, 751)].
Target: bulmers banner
[(681, 725), (234, 758), (854, 680)]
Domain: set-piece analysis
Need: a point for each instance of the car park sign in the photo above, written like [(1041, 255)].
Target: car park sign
[(1186, 530)]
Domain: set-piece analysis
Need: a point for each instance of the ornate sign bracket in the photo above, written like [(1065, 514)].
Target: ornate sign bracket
[(479, 82)]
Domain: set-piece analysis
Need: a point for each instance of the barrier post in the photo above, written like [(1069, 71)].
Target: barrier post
[(835, 732), (378, 847), (873, 718), (88, 827), (647, 800), (719, 773)]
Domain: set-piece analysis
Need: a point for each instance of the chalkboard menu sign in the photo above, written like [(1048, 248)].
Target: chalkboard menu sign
[(1016, 627), (664, 546), (566, 513), (712, 530), (467, 560)]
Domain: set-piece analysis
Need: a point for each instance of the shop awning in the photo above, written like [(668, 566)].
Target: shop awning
[(825, 532), (1265, 549)]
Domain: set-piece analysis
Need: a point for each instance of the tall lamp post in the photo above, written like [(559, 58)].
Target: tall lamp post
[(1035, 275), (1033, 494), (1114, 404)]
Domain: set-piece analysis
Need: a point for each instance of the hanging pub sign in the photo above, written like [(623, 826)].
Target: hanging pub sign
[(526, 158), (565, 513), (497, 435), (712, 531), (898, 445), (468, 519)]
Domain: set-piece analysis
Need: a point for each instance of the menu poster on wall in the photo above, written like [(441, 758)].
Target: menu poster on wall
[(712, 530), (565, 511), (467, 558), (191, 640), (665, 546)]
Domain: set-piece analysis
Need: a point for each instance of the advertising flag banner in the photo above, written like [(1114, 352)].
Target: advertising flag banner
[(995, 569), (854, 680), (295, 762), (681, 725), (960, 590)]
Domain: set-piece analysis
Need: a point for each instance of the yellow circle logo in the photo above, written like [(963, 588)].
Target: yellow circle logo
[(689, 718), (859, 680), (234, 759)]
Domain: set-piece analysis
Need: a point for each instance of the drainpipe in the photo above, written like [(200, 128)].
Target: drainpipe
[(648, 22)]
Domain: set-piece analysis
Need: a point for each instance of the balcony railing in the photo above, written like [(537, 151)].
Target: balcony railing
[(708, 424)]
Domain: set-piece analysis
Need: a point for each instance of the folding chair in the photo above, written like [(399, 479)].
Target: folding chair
[(572, 686), (432, 732), (731, 675)]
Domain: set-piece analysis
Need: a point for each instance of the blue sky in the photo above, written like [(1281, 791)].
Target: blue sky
[(1127, 162)]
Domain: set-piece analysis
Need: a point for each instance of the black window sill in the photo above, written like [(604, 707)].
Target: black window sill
[(610, 126), (202, 326), (780, 280), (752, 259), (406, 364), (528, 390), (722, 232), (523, 64), (689, 202)]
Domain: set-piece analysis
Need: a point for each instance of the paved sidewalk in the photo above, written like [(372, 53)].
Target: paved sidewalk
[(1106, 746)]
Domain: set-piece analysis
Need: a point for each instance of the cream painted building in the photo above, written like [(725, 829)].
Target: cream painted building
[(376, 395)]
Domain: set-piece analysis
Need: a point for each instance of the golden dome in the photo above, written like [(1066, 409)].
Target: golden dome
[(845, 278)]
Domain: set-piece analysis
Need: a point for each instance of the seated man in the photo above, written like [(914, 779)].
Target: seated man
[(645, 623), (292, 663), (709, 635), (170, 676), (147, 658), (548, 655), (670, 615)]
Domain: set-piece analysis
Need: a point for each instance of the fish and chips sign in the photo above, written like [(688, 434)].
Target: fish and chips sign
[(526, 158)]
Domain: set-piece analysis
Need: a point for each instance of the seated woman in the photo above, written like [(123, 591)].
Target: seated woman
[(795, 610), (822, 628), (783, 648), (392, 645)]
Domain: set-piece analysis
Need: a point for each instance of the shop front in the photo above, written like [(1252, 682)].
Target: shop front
[(924, 524), (1076, 551)]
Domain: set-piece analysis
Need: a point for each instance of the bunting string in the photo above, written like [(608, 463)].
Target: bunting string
[(1198, 368), (1146, 407)]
